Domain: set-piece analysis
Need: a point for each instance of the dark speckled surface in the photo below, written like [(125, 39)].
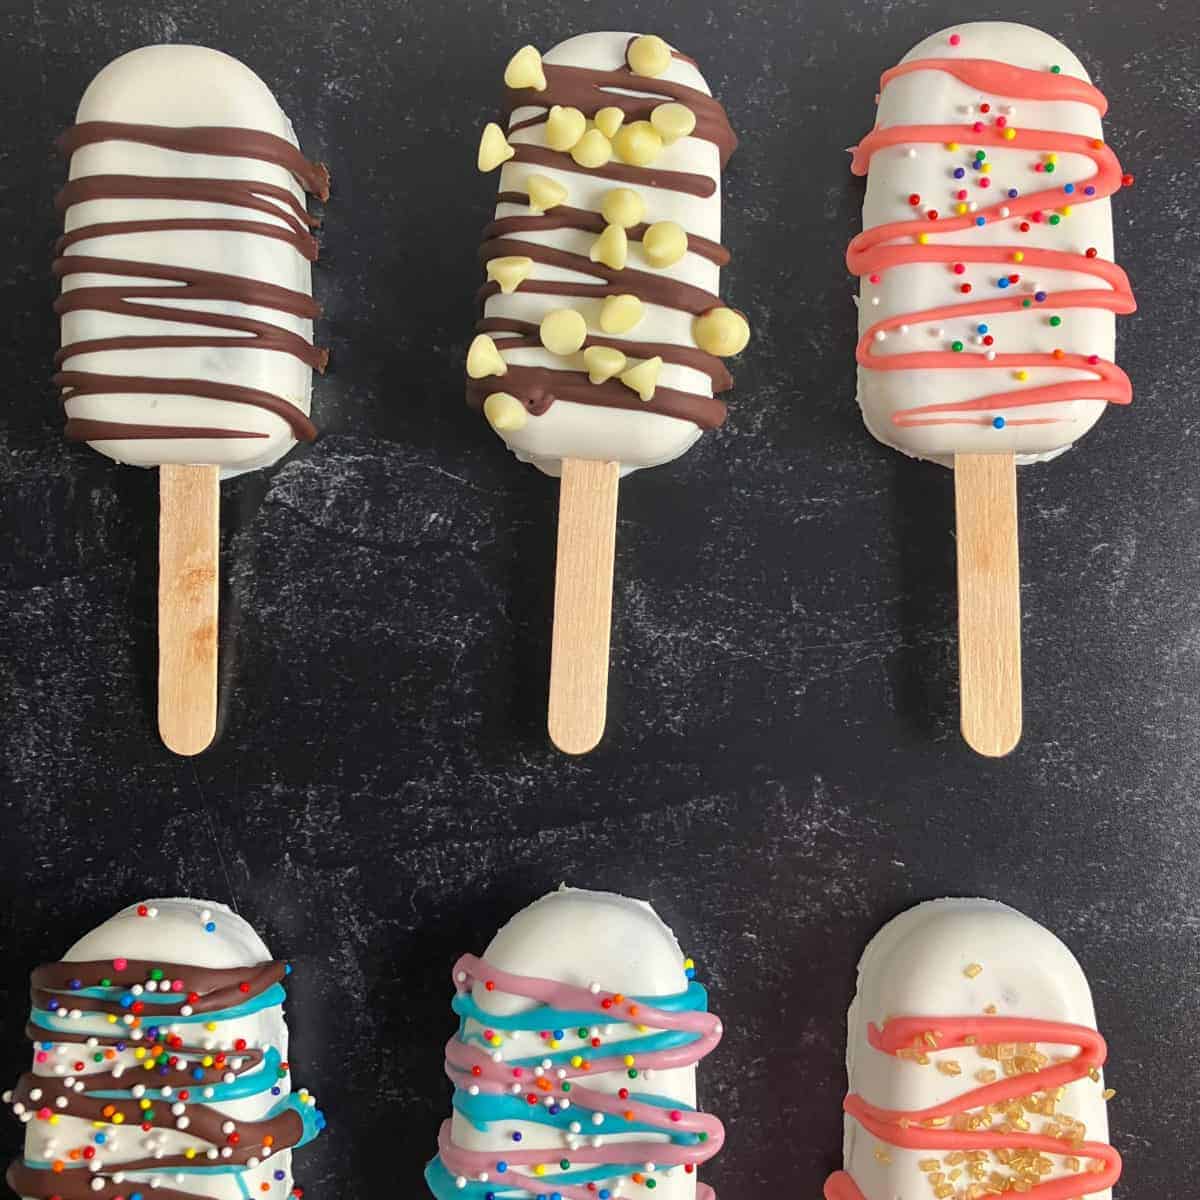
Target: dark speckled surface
[(783, 770)]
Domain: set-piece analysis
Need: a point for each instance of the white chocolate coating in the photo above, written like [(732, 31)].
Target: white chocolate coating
[(937, 98), (175, 933), (567, 429), (916, 966), (577, 937), (187, 86)]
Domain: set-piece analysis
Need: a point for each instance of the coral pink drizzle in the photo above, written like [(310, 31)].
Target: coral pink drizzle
[(906, 1130), (470, 1065), (894, 244)]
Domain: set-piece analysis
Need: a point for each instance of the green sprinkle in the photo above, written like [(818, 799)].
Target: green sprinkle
[(1026, 303), (565, 1163), (652, 1183), (566, 1087), (1056, 70), (702, 1137), (1049, 168), (1056, 321), (582, 1032), (956, 346), (1055, 218), (632, 1074), (156, 974)]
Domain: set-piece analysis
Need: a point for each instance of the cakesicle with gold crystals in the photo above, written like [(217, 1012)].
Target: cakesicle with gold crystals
[(187, 311), (601, 344), (160, 1064), (975, 1065), (987, 302), (574, 1064)]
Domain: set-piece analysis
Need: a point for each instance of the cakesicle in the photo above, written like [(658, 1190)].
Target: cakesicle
[(975, 1066), (987, 301), (187, 311), (161, 1064), (574, 1064), (603, 332)]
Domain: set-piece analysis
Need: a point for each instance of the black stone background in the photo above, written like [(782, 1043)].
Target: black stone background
[(783, 770)]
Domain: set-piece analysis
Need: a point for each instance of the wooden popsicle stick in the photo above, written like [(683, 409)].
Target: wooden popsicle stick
[(989, 601), (188, 546), (587, 537)]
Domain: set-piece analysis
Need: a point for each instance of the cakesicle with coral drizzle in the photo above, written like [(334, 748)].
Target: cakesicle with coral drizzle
[(160, 1064), (187, 311), (574, 1064), (603, 332), (987, 301), (975, 1066)]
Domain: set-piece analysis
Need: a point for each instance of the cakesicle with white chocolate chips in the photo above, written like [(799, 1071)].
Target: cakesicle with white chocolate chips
[(603, 332), (975, 1065), (574, 1064), (187, 311), (161, 1064), (988, 300)]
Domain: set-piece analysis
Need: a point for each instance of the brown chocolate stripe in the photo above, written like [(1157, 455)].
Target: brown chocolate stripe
[(671, 181), (683, 356), (585, 89), (216, 987), (224, 141), (197, 285), (563, 216), (76, 1184), (302, 241), (653, 288), (538, 388), (80, 429), (80, 383)]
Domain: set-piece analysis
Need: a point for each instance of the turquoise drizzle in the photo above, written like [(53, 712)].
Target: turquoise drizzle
[(269, 998), (253, 1083), (442, 1184)]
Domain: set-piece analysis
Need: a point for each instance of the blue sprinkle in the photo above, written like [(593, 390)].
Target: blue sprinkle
[(197, 1073), (1089, 190), (559, 1035), (502, 1166), (605, 1194), (516, 1136), (275, 1091), (127, 1001), (1013, 193), (489, 1196), (980, 220), (100, 1139), (135, 1196), (1068, 188), (281, 1175), (210, 927), (981, 329), (1040, 297), (553, 1110), (47, 1045), (959, 172), (75, 984), (998, 422), (977, 164), (52, 1005), (690, 972), (1002, 282), (121, 1046), (287, 968)]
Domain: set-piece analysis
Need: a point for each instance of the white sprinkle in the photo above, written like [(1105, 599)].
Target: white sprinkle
[(35, 1094), (989, 355), (903, 329), (61, 1102), (597, 1118), (594, 988), (460, 1182), (473, 1090), (880, 336), (1004, 210), (912, 152), (182, 1123), (874, 299)]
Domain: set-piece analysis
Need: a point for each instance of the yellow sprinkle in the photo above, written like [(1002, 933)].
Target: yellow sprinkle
[(1053, 158), (190, 1152), (540, 1169), (143, 1103), (554, 1043), (112, 1020), (139, 1053), (923, 239), (1018, 256), (497, 1040), (629, 1060), (1065, 210), (974, 970), (1010, 133), (54, 1118), (206, 1061), (117, 1118), (951, 145), (986, 168), (1022, 375), (210, 1025), (688, 964), (961, 209), (577, 1062)]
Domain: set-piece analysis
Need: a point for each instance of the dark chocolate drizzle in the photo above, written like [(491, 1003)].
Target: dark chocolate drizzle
[(538, 387), (206, 990), (279, 203)]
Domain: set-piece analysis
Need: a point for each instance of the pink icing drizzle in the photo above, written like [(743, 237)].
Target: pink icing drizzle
[(877, 249), (470, 1065), (904, 1129)]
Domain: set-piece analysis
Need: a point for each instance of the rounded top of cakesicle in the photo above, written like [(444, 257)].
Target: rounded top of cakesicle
[(988, 289), (202, 933)]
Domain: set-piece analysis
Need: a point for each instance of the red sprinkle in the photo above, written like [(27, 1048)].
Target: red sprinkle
[(960, 268), (988, 339), (932, 214), (914, 199), (1092, 252), (1024, 227), (966, 287), (1127, 180), (985, 108), (955, 39)]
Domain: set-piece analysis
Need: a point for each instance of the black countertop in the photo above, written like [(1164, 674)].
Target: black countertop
[(783, 770)]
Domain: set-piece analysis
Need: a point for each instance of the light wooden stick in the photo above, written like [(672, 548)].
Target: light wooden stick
[(188, 545), (587, 536), (989, 601)]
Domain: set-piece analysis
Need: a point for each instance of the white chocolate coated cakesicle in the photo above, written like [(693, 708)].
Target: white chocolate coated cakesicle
[(187, 303), (974, 1063), (988, 287), (574, 1065), (160, 1064), (603, 328)]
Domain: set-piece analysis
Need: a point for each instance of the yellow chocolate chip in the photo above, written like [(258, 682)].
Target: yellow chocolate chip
[(524, 70), (673, 121), (563, 331), (603, 362), (611, 248), (638, 144), (609, 120), (509, 272), (623, 206), (664, 244), (505, 413), (564, 127), (493, 148), (648, 55), (483, 359), (593, 150), (721, 331), (643, 378), (619, 314), (544, 193)]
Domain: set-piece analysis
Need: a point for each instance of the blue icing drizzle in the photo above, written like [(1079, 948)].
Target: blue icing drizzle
[(268, 998), (443, 1186), (667, 1040), (694, 999), (253, 1083)]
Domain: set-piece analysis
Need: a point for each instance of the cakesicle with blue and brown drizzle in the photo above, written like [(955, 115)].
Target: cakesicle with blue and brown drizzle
[(574, 1064), (160, 1064)]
